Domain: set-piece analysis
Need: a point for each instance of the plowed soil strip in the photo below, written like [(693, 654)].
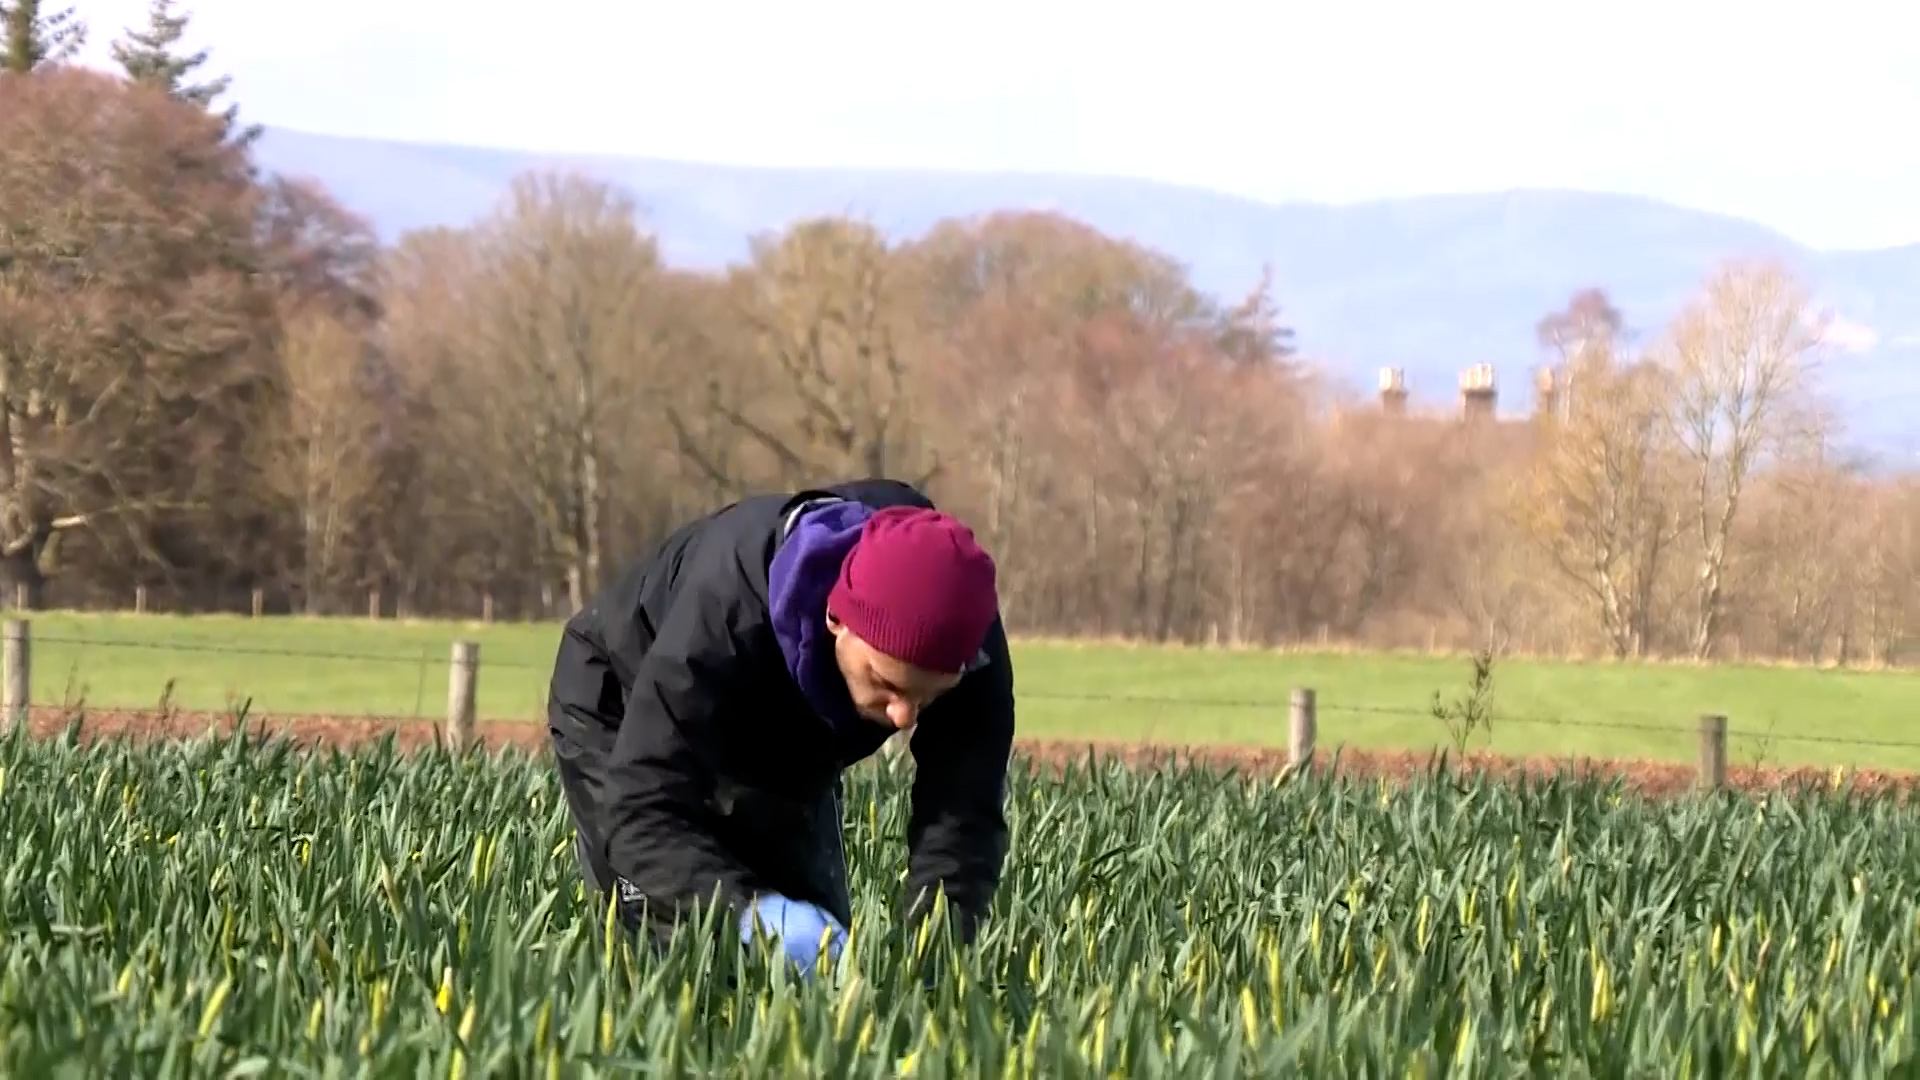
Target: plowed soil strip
[(409, 733)]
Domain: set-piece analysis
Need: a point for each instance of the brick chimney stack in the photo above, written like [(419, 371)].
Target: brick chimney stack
[(1546, 393), (1477, 395), (1393, 391)]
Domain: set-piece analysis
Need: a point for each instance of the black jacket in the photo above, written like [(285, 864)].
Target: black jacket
[(694, 764)]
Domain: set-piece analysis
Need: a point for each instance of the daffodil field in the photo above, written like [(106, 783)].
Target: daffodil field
[(226, 908)]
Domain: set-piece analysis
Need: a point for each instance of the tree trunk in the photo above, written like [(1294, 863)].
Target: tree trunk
[(1176, 550), (1090, 583), (1706, 625), (590, 512), (576, 594), (1142, 584)]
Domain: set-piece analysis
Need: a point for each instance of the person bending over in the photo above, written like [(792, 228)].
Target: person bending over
[(704, 703)]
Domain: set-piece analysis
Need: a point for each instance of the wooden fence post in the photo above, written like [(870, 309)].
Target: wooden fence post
[(373, 603), (259, 602), (486, 608), (462, 680), (1713, 751), (139, 599), (15, 670), (1301, 725)]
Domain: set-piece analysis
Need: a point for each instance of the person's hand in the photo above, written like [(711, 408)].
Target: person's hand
[(798, 927)]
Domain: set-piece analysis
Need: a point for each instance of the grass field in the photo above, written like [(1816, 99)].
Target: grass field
[(1777, 715)]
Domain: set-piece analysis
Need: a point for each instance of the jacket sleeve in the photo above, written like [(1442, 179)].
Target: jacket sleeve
[(957, 829), (661, 843)]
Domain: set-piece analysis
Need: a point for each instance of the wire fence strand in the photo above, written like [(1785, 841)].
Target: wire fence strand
[(428, 656)]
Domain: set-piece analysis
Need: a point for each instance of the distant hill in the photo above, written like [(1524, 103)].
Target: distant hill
[(1430, 284)]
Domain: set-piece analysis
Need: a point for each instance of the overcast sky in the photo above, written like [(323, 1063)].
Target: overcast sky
[(1811, 125)]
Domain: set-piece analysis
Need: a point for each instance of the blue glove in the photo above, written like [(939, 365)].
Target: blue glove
[(797, 925)]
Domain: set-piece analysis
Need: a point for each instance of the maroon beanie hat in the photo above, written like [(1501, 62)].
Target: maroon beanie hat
[(917, 587)]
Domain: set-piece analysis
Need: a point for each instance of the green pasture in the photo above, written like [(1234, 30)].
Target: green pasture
[(1776, 715)]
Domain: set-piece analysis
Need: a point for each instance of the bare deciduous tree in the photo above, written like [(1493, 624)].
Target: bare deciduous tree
[(1740, 356), (827, 319), (1601, 501), (449, 524), (560, 340), (317, 251), (131, 326), (1891, 570), (323, 457)]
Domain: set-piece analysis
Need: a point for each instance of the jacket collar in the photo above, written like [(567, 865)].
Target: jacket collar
[(807, 501)]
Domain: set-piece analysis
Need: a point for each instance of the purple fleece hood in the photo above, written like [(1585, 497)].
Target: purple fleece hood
[(803, 572)]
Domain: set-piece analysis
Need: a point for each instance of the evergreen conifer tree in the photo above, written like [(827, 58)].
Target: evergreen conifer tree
[(34, 37), (151, 56)]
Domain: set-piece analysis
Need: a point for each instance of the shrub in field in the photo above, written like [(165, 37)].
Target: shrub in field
[(223, 907)]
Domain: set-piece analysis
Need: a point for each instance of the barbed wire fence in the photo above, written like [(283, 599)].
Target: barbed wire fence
[(457, 726)]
